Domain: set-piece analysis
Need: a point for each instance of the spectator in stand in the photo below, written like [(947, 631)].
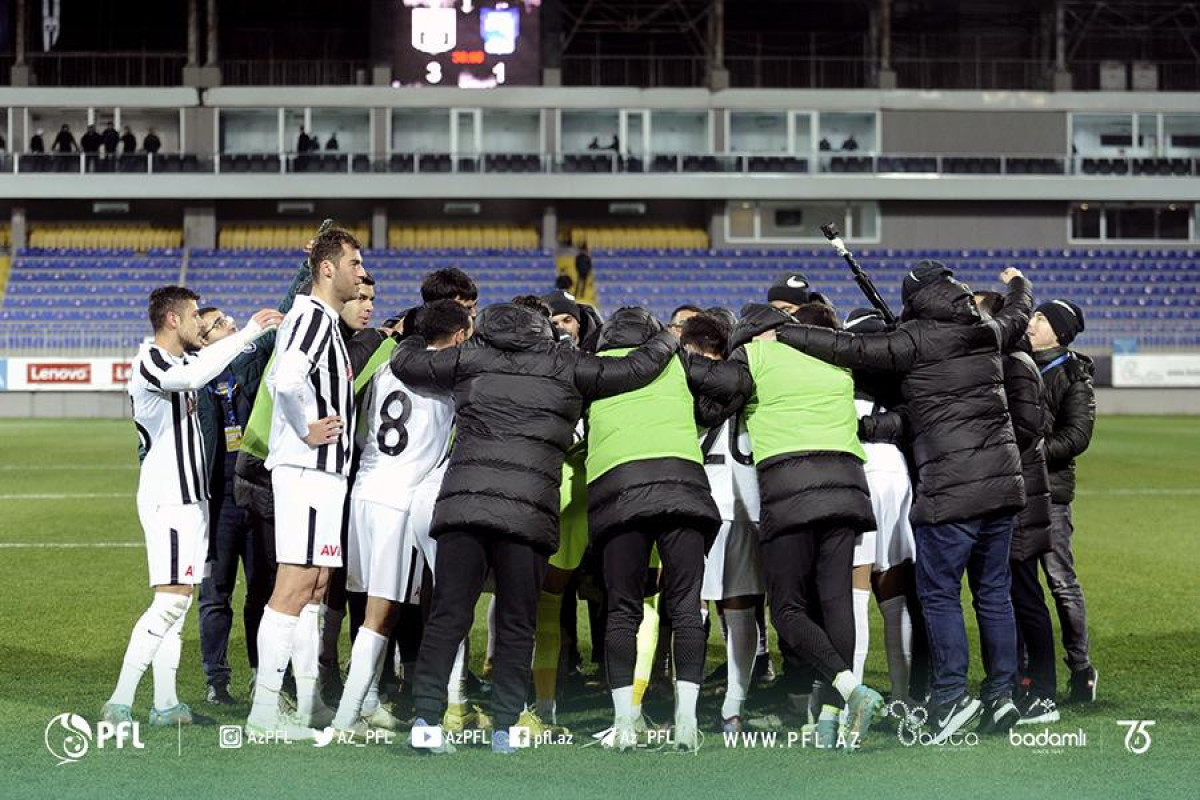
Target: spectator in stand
[(128, 141), (332, 142), (65, 141), (151, 143), (36, 143), (110, 139), (850, 145), (3, 143), (824, 145), (90, 141), (302, 142)]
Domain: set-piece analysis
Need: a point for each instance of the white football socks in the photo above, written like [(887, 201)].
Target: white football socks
[(623, 702), (897, 639), (366, 663), (862, 630), (331, 630), (686, 696), (456, 689), (845, 683), (740, 645), (145, 641), (306, 645), (275, 635), (166, 664)]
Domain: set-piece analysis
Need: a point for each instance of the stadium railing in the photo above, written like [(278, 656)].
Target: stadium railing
[(607, 162), (47, 338)]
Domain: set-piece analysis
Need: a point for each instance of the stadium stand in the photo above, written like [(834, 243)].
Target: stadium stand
[(488, 238), (280, 237), (1151, 296), (51, 236), (665, 238)]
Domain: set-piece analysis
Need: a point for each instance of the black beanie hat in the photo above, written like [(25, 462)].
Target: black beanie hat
[(865, 320), (561, 302), (923, 274), (1064, 317), (791, 288)]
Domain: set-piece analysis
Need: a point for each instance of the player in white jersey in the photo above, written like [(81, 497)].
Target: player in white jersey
[(312, 428), (733, 568), (173, 489), (883, 558), (405, 435)]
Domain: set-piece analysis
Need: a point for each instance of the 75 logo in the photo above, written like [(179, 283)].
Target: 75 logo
[(1137, 738)]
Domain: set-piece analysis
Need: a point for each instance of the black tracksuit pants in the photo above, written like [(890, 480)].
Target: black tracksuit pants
[(813, 565), (1035, 633), (626, 558), (463, 559)]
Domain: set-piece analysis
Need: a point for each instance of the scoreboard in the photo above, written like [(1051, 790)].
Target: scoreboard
[(469, 44)]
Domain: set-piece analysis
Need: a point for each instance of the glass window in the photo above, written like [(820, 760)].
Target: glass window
[(588, 130), (421, 130), (1131, 222), (848, 132), (800, 221), (1147, 143), (252, 130), (758, 132), (350, 126), (1085, 222), (864, 221), (679, 132), (512, 130), (741, 220), (1181, 135), (1106, 134)]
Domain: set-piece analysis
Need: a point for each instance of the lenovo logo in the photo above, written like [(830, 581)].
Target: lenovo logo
[(121, 372), (58, 373)]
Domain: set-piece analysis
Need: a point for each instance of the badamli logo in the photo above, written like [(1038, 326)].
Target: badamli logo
[(1046, 739), (69, 737), (912, 730)]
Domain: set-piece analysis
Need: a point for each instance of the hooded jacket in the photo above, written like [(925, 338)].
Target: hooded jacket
[(1070, 415), (518, 395), (804, 430), (968, 463), (643, 459)]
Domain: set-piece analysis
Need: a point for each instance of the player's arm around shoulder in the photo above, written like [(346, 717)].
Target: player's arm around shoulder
[(597, 377)]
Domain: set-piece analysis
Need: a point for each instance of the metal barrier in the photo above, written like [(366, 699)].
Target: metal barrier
[(72, 338)]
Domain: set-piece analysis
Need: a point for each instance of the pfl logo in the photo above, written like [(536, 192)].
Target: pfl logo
[(69, 737)]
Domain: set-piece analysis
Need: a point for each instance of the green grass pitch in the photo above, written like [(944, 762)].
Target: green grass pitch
[(66, 614)]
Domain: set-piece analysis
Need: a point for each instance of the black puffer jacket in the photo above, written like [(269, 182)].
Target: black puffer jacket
[(1070, 416), (805, 488), (518, 395), (1023, 388), (664, 490), (968, 464)]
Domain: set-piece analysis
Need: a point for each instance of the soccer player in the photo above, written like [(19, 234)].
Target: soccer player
[(312, 427), (1070, 418), (815, 500), (405, 438), (173, 489), (969, 485), (450, 284), (518, 395), (733, 575), (647, 488)]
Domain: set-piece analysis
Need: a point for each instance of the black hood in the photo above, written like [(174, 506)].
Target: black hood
[(589, 327), (628, 327), (944, 300), (505, 326), (756, 318)]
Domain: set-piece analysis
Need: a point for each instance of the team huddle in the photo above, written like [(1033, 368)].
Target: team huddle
[(779, 461)]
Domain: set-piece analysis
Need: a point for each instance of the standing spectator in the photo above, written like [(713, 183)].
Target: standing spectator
[(851, 144), (91, 141), (332, 142), (110, 138), (303, 143), (65, 141), (128, 141), (151, 143), (1070, 418), (36, 143), (583, 268), (3, 143)]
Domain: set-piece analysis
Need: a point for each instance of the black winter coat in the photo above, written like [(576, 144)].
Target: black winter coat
[(807, 488), (518, 395), (968, 464), (664, 490), (1070, 416), (1023, 388)]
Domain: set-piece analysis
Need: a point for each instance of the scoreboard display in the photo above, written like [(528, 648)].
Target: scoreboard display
[(469, 44)]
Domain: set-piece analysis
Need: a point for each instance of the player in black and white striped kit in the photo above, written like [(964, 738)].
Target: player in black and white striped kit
[(312, 431), (173, 489)]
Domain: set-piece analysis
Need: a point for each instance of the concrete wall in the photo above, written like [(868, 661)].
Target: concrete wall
[(1043, 133), (940, 224)]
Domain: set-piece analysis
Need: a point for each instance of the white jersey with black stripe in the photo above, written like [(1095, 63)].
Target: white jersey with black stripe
[(405, 435), (169, 432), (310, 379), (729, 464)]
